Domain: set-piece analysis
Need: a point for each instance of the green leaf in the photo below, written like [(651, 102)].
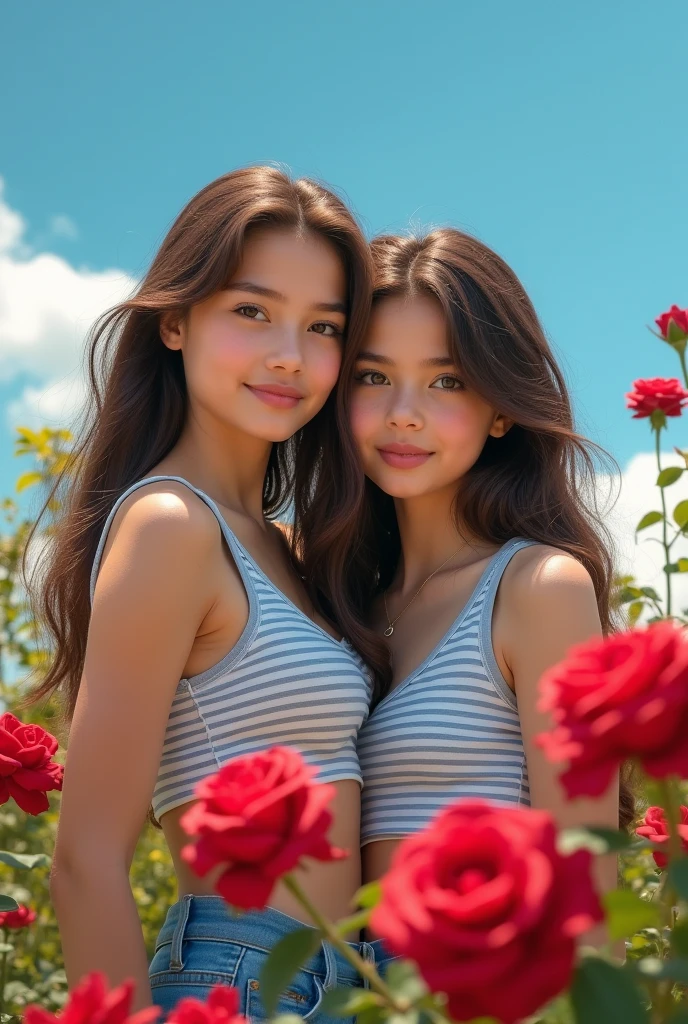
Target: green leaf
[(650, 592), (348, 1001), (7, 903), (287, 1018), (403, 979), (679, 938), (659, 970), (635, 610), (678, 877), (669, 476), (649, 519), (284, 961), (28, 479), (368, 895), (603, 993), (676, 337), (24, 860), (680, 514), (627, 913), (594, 838)]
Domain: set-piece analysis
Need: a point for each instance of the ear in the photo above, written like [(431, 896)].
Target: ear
[(172, 331), (500, 425)]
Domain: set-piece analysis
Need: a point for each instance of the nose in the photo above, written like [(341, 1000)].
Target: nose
[(287, 354), (403, 413)]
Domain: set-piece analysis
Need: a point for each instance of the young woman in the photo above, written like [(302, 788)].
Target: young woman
[(472, 549), (183, 635)]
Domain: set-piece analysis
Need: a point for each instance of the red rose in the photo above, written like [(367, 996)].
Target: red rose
[(22, 917), (91, 1003), (666, 395), (622, 697), (655, 829), (679, 318), (259, 815), (222, 1007), (27, 771), (488, 908)]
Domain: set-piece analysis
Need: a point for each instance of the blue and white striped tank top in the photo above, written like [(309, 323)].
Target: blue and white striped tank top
[(285, 682), (450, 729)]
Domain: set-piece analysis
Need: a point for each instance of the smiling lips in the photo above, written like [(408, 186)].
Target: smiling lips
[(279, 396), (404, 456)]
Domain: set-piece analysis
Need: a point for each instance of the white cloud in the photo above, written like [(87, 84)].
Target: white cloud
[(643, 555), (64, 226), (46, 309)]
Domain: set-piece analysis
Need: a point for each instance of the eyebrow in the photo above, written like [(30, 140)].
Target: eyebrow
[(269, 293), (373, 357)]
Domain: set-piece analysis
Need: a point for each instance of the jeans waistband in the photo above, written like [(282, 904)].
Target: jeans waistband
[(209, 917)]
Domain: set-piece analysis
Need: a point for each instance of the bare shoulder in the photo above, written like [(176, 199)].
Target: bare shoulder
[(541, 578), (163, 513)]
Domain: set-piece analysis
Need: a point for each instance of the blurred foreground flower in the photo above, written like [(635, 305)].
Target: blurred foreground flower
[(488, 908), (259, 816), (91, 1003), (222, 1007), (619, 698)]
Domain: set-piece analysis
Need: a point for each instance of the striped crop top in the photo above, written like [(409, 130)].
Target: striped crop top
[(285, 682), (450, 729)]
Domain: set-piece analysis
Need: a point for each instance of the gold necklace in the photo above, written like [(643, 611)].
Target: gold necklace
[(390, 627)]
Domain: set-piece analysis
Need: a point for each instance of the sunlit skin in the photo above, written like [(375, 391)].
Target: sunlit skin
[(419, 428), (260, 359)]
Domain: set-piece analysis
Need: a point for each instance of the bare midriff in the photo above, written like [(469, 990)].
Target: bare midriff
[(376, 859), (329, 886)]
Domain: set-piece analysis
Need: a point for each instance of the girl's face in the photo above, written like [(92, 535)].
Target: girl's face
[(264, 354), (418, 428)]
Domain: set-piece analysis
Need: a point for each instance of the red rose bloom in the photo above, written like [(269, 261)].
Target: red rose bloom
[(259, 815), (678, 316), (27, 771), (661, 394), (222, 1007), (22, 917), (622, 697), (488, 909), (91, 1003), (655, 829)]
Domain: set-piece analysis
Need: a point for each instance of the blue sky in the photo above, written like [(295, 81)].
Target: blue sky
[(556, 132)]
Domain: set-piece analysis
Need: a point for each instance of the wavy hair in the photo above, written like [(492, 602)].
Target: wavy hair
[(138, 396), (538, 481)]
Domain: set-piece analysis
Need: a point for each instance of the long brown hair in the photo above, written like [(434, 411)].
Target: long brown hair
[(138, 396), (538, 481)]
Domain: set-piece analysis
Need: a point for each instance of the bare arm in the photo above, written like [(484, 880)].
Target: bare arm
[(551, 606), (151, 597)]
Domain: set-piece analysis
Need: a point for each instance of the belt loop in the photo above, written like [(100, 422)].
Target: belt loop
[(368, 955), (330, 967), (176, 961)]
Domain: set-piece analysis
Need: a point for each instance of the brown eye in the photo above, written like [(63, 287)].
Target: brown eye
[(448, 383), (250, 311), (325, 329), (373, 377)]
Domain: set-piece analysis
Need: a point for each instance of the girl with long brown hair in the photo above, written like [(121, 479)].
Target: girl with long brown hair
[(183, 635), (472, 548)]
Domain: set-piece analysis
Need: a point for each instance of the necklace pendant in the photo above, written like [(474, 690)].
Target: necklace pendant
[(389, 631)]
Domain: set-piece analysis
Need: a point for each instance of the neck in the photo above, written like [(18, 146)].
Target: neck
[(225, 462), (430, 534)]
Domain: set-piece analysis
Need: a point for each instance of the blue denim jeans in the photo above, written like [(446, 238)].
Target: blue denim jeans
[(201, 945)]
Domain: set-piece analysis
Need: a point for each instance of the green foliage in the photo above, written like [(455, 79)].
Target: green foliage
[(35, 969)]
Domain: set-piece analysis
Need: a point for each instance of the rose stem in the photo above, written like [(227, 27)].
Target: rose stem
[(667, 554), (366, 970), (3, 971)]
